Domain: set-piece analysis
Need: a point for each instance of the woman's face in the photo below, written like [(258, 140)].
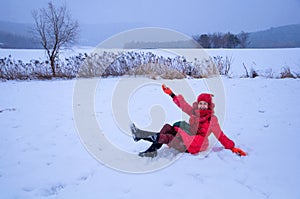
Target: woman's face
[(202, 105)]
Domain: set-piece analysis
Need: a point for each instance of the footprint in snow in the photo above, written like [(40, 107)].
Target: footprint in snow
[(83, 178), (127, 190), (198, 177), (27, 189), (7, 109), (53, 190), (168, 184), (217, 149)]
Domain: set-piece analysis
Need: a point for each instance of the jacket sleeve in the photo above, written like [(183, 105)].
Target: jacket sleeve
[(217, 131), (181, 103)]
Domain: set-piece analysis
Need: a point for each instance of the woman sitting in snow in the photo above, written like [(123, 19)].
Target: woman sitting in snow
[(189, 137)]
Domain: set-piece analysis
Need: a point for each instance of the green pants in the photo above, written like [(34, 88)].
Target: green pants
[(184, 126)]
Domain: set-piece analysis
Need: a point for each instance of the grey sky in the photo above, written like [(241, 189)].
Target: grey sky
[(187, 16)]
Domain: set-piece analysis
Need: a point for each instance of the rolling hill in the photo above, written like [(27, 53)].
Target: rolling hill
[(17, 35)]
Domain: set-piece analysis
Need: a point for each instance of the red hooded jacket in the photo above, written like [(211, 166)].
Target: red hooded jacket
[(202, 124)]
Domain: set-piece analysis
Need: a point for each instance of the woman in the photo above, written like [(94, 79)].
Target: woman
[(189, 137)]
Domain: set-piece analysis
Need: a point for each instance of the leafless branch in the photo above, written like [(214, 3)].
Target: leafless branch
[(54, 29)]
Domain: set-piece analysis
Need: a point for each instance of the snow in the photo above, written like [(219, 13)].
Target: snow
[(264, 61), (39, 54), (42, 151)]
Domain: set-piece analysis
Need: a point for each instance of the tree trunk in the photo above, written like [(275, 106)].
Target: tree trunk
[(52, 63)]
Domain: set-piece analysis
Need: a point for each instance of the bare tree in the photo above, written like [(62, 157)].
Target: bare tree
[(204, 41), (230, 40), (243, 37), (217, 40), (54, 29)]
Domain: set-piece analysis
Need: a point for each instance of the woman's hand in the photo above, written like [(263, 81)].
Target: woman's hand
[(167, 90), (238, 151)]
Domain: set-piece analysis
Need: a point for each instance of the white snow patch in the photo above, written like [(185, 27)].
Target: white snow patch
[(42, 156)]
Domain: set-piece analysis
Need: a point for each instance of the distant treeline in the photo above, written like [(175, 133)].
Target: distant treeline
[(171, 44), (223, 40), (215, 40)]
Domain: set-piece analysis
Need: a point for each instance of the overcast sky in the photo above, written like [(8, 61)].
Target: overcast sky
[(187, 16)]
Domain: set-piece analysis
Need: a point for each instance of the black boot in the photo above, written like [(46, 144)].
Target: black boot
[(153, 138), (151, 151), (139, 134)]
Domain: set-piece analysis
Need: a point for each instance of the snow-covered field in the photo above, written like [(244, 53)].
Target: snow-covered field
[(42, 154), (264, 61)]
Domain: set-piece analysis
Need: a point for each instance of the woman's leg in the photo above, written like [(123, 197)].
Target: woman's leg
[(166, 134), (139, 134), (152, 150)]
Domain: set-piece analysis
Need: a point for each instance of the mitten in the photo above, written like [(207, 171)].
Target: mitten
[(238, 151), (167, 90)]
